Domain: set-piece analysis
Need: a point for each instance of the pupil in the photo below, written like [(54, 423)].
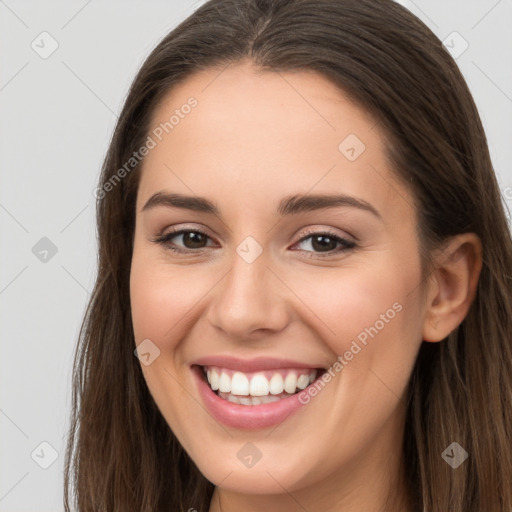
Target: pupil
[(322, 246), (195, 240)]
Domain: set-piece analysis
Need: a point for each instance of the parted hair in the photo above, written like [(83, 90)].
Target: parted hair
[(121, 454)]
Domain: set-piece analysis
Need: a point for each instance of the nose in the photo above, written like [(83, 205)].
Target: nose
[(249, 301)]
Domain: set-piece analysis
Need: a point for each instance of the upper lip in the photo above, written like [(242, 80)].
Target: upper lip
[(251, 365)]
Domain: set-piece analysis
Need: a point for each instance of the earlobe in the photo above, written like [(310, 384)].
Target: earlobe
[(453, 286)]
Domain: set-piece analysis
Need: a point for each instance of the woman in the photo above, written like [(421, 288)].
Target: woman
[(302, 241)]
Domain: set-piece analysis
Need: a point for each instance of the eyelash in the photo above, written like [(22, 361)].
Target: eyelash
[(348, 245)]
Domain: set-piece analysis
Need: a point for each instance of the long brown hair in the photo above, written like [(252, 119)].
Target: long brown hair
[(121, 454)]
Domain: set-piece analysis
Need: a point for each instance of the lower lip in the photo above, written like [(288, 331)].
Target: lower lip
[(247, 417)]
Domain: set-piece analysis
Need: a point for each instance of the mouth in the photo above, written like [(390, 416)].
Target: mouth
[(260, 387)]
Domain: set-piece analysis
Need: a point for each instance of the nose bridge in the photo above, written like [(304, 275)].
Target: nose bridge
[(250, 297)]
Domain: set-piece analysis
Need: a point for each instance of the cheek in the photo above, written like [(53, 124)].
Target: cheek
[(370, 316), (160, 300), (348, 301)]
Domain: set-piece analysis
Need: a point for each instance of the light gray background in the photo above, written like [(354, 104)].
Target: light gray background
[(57, 116)]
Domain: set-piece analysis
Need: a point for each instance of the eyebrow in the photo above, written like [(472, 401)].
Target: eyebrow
[(290, 205)]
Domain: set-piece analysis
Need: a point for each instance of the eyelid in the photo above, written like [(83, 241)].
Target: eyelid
[(347, 244), (316, 230), (162, 237), (307, 231), (176, 230)]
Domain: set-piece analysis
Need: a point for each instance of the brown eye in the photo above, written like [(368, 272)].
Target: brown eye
[(189, 240), (325, 244), (193, 239)]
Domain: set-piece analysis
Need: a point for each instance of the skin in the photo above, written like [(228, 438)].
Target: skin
[(254, 138)]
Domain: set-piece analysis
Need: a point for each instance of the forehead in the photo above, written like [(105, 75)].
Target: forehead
[(263, 135)]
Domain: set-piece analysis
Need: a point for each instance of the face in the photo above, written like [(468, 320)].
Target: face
[(269, 290)]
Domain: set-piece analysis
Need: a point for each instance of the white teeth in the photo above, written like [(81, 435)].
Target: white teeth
[(213, 378), (239, 384), (244, 400), (276, 384), (290, 382), (303, 381), (259, 385), (225, 383)]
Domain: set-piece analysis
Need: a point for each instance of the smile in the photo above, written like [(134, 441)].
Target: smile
[(252, 395), (256, 388)]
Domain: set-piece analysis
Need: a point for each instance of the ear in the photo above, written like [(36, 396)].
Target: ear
[(452, 286)]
